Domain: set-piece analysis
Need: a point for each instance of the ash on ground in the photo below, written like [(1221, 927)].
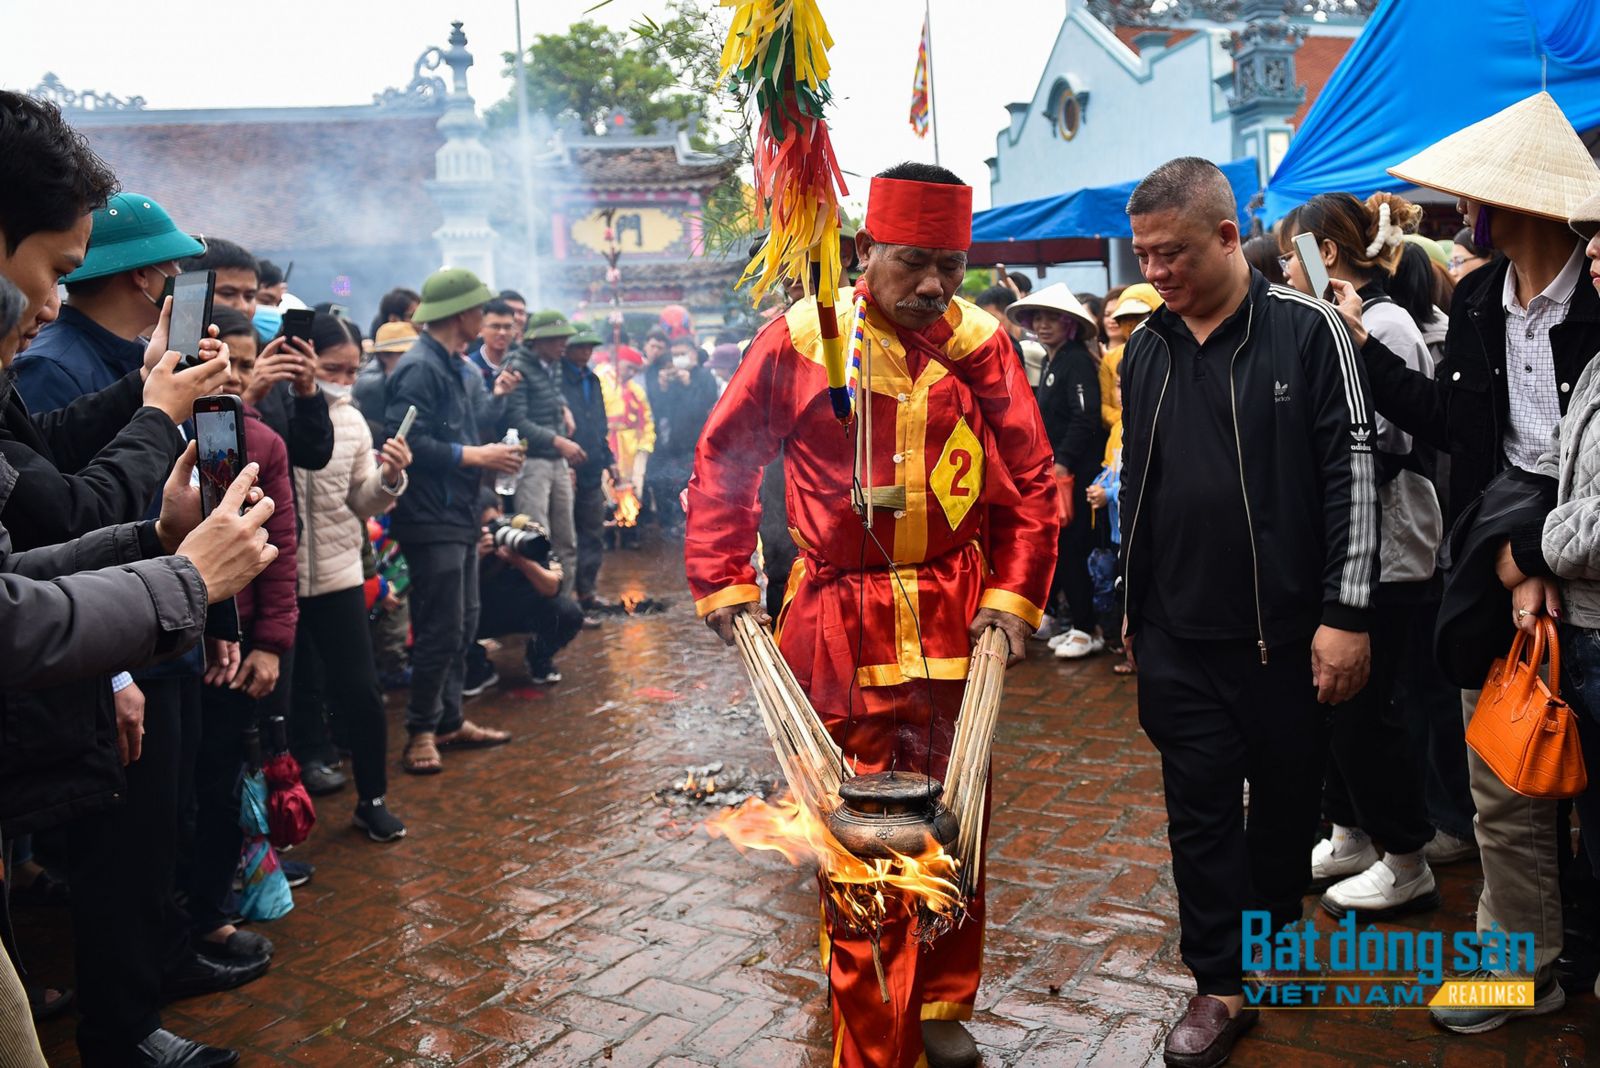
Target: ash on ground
[(715, 786)]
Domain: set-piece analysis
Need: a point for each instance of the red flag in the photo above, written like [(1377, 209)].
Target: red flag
[(920, 89)]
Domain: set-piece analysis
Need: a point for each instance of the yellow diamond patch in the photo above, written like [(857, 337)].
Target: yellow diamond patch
[(957, 479)]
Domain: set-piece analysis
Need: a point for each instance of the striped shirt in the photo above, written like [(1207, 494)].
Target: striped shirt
[(1535, 404)]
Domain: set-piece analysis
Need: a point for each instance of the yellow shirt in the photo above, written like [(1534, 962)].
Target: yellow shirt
[(1110, 400), (1114, 443)]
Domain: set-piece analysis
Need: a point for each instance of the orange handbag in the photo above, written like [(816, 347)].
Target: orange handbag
[(1522, 728), (1066, 487)]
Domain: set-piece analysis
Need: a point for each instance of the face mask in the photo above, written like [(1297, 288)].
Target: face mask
[(269, 321), (157, 301), (335, 389), (683, 363)]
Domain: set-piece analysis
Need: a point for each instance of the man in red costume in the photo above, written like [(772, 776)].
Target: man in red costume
[(878, 625)]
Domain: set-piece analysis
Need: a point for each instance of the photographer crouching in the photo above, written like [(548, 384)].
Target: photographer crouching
[(519, 590)]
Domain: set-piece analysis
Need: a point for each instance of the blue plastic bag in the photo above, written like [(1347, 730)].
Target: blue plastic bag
[(266, 894)]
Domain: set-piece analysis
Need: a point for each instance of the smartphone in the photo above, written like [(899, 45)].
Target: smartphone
[(405, 424), (1305, 247), (297, 323), (219, 430), (191, 313)]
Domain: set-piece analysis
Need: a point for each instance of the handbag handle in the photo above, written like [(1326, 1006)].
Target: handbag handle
[(1552, 643)]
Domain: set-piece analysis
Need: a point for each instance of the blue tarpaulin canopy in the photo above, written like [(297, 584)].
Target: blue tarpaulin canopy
[(1071, 226), (1424, 69)]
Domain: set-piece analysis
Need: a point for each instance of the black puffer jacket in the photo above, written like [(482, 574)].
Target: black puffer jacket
[(100, 460), (1463, 409), (535, 407), (1304, 427), (441, 504), (117, 607)]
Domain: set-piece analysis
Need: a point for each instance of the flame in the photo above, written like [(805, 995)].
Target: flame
[(862, 892), (627, 511)]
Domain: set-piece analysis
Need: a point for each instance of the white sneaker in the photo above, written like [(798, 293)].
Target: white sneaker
[(1328, 867), (1375, 894), (1448, 849), (1078, 644)]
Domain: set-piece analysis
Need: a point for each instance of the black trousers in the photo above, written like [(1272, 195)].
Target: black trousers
[(1374, 778), (511, 606), (444, 621), (218, 839), (589, 523), (1431, 709), (127, 929), (1072, 593), (336, 673), (1218, 716)]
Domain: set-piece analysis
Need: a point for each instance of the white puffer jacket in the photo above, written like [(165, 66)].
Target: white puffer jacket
[(336, 502)]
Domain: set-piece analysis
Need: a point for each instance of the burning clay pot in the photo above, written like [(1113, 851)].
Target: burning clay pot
[(889, 813)]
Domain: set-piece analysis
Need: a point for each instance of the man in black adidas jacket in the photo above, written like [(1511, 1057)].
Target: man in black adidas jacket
[(1250, 543)]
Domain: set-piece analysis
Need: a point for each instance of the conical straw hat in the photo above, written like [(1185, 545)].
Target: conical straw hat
[(1527, 158), (1056, 298)]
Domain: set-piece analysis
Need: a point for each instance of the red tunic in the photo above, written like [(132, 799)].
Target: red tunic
[(959, 445)]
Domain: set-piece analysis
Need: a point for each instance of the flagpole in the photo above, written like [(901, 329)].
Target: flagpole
[(933, 114)]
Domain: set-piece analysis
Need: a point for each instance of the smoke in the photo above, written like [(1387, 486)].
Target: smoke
[(342, 194)]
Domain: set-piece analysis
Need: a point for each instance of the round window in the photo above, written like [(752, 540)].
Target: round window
[(1069, 114)]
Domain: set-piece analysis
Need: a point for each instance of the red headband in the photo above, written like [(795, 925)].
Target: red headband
[(920, 214)]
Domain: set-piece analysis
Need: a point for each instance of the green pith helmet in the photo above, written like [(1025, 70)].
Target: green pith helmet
[(448, 292), (584, 337), (132, 231), (548, 324)]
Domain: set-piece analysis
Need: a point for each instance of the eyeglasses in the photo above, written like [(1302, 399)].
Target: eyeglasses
[(1283, 263)]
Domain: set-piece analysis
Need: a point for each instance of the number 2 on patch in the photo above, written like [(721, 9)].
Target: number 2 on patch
[(957, 479), (962, 462)]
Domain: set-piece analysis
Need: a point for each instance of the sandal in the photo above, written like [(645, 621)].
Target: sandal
[(421, 756), (471, 736), (1123, 667)]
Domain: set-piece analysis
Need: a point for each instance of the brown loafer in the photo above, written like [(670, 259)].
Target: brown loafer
[(948, 1045), (1205, 1036)]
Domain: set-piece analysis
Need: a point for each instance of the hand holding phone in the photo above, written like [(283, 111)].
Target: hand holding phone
[(297, 323), (230, 546), (1311, 265), (174, 390), (219, 432), (405, 424), (190, 320)]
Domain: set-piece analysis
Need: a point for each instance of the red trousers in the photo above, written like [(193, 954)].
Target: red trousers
[(889, 726)]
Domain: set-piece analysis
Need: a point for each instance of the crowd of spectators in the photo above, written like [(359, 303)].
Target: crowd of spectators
[(347, 559)]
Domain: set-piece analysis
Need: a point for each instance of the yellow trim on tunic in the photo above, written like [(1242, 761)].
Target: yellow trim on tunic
[(946, 1010), (797, 576), (741, 594), (947, 668), (1006, 601)]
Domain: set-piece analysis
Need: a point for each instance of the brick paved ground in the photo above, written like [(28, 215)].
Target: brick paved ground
[(546, 911)]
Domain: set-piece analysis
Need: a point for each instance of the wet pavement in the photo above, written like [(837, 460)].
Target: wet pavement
[(556, 904)]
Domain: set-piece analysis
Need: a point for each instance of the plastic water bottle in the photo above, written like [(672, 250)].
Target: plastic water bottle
[(505, 485)]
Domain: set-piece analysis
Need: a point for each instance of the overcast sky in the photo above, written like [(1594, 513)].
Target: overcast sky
[(199, 53)]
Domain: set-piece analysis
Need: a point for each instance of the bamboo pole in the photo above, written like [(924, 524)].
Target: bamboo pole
[(968, 773), (812, 763)]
